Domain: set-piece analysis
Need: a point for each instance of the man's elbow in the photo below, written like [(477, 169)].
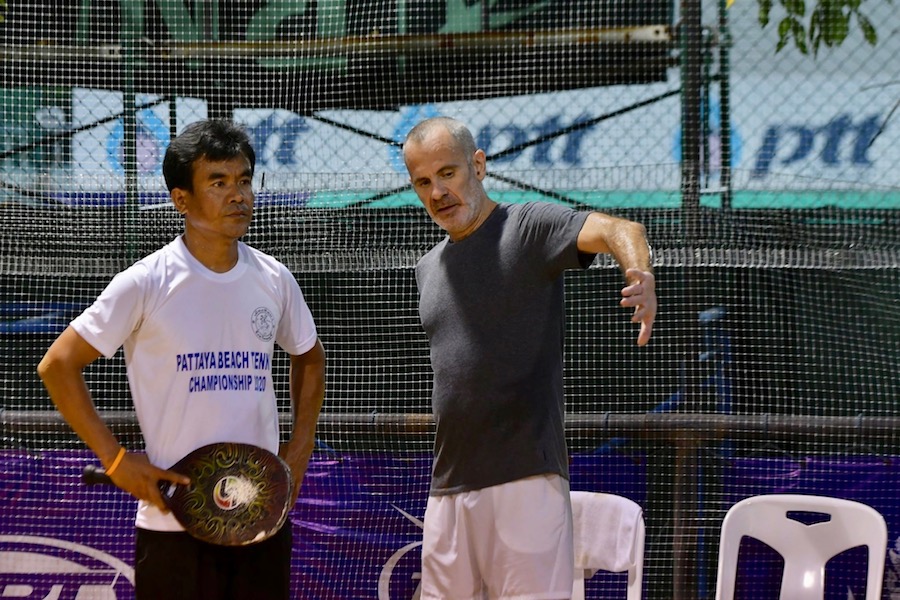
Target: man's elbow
[(56, 365), (45, 367)]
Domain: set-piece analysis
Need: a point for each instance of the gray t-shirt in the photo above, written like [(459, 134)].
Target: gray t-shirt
[(493, 308)]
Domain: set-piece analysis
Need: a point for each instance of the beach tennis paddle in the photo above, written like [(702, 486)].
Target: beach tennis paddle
[(239, 493)]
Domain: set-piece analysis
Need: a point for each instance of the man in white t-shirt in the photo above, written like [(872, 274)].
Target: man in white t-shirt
[(198, 321)]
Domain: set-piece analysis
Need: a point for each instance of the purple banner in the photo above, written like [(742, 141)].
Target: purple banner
[(357, 525), (870, 480)]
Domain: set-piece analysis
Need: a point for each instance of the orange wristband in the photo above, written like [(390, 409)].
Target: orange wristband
[(116, 462)]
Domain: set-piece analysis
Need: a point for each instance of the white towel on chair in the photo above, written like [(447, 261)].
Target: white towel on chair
[(605, 527)]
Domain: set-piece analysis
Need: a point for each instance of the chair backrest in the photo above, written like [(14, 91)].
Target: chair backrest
[(609, 536), (805, 548)]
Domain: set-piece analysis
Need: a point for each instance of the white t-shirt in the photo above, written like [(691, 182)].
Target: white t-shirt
[(198, 350)]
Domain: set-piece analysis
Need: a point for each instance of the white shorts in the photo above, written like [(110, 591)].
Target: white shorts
[(511, 541)]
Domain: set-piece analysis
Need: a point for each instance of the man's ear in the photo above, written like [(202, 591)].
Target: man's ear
[(179, 199), (479, 162)]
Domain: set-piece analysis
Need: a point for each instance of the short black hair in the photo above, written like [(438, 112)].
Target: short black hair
[(213, 139)]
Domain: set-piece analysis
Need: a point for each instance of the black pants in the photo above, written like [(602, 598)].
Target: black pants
[(175, 566)]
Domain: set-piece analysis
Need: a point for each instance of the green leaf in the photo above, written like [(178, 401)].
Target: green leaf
[(815, 24), (835, 24), (799, 36), (794, 7), (841, 29), (829, 22), (765, 8), (816, 43), (784, 27), (868, 29), (784, 30)]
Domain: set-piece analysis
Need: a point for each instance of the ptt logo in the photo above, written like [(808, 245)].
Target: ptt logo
[(50, 569), (842, 140)]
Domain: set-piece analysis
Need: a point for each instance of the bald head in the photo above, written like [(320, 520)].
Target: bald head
[(459, 133)]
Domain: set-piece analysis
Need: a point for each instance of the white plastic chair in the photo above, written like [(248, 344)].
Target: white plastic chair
[(805, 548), (609, 536)]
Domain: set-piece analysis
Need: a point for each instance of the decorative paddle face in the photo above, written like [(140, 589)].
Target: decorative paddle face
[(238, 494)]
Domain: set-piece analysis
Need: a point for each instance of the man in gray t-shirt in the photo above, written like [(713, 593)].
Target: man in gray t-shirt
[(492, 305)]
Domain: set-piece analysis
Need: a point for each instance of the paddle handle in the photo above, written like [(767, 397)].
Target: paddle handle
[(93, 475)]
